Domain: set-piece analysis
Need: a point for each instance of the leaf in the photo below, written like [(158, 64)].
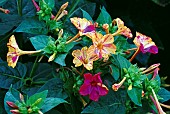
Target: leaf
[(162, 3), (135, 95), (7, 22), (86, 15), (112, 102), (3, 2), (32, 26), (50, 3), (14, 76), (36, 96), (104, 17), (60, 59), (50, 103), (122, 61), (165, 94), (69, 46), (55, 88), (13, 96), (115, 72), (40, 41)]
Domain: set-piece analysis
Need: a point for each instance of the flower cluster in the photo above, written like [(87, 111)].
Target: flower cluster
[(95, 61)]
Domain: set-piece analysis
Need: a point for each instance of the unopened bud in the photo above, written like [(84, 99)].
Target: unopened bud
[(37, 102), (106, 28), (15, 111), (63, 13), (52, 57), (11, 104), (6, 11)]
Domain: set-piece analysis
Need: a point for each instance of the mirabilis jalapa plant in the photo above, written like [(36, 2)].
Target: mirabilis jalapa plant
[(89, 67)]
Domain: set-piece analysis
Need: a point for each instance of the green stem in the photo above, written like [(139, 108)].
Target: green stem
[(34, 67), (19, 6), (39, 83), (73, 6)]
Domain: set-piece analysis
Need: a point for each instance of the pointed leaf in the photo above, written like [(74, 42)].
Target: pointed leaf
[(37, 96), (60, 59), (165, 94), (104, 17), (50, 103), (86, 15), (32, 26), (135, 95)]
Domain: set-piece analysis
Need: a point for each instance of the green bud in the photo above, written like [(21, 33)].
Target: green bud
[(23, 110)]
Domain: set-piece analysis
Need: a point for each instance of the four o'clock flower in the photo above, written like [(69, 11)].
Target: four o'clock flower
[(93, 86), (102, 45), (123, 30), (14, 52), (6, 11), (84, 56), (84, 26), (144, 44), (116, 86)]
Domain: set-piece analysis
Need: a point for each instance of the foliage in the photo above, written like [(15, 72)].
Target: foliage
[(76, 62)]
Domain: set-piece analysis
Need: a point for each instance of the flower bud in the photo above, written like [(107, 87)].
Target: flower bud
[(11, 104), (15, 111)]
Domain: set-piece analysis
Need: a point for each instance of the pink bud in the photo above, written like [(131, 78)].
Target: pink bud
[(15, 111), (11, 104)]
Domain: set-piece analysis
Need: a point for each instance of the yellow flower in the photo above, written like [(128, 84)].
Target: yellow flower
[(14, 52), (84, 56), (121, 28), (83, 25), (102, 45)]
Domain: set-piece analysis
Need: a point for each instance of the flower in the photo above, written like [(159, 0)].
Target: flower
[(83, 25), (103, 45), (6, 11), (145, 43), (121, 28), (93, 86), (14, 52), (85, 57), (115, 86)]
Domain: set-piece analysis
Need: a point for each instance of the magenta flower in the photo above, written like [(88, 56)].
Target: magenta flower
[(145, 43), (93, 87)]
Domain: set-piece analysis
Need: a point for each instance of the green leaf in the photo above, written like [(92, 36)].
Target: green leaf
[(13, 96), (40, 41), (55, 88), (14, 76), (112, 102), (122, 61), (8, 22), (69, 46), (104, 17), (165, 94), (162, 3), (86, 15), (135, 95), (3, 2), (60, 59), (115, 72), (50, 103), (36, 96), (51, 3), (32, 26)]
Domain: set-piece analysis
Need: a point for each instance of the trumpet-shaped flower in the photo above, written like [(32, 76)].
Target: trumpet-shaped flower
[(84, 56), (145, 43), (14, 52), (103, 45), (121, 28), (93, 87), (83, 25)]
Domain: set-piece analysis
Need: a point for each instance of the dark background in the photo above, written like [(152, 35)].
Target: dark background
[(148, 18)]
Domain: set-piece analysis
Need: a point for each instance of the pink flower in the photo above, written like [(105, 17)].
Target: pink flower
[(93, 87), (145, 43), (83, 25)]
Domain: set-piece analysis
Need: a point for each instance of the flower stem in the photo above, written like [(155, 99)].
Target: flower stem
[(33, 67), (134, 55), (72, 39), (157, 103), (19, 6)]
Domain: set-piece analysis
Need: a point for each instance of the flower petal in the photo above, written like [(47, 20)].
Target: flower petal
[(97, 78), (88, 77), (94, 95), (85, 89), (102, 89), (107, 39), (77, 62)]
